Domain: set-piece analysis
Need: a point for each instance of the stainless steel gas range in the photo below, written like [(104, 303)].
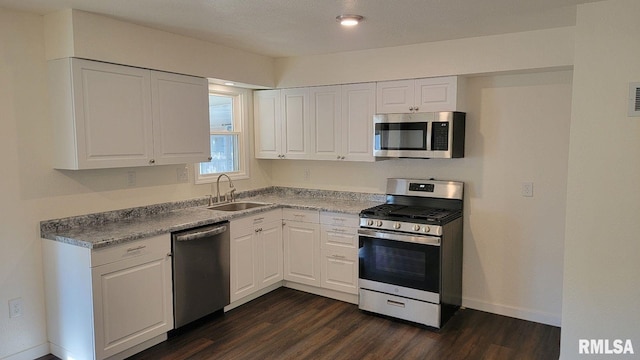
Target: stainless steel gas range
[(410, 256)]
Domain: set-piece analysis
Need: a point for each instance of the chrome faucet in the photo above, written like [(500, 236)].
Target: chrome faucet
[(233, 189)]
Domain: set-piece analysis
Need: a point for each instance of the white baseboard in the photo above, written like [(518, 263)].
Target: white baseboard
[(30, 354), (513, 311)]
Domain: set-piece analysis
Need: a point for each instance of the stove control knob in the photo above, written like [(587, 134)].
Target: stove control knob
[(416, 227), (369, 222), (379, 223), (426, 229), (397, 225)]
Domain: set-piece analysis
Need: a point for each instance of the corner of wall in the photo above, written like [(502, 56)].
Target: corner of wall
[(58, 34)]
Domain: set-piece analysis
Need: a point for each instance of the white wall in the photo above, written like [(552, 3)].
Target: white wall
[(541, 49), (602, 244), (91, 36), (32, 190), (517, 131)]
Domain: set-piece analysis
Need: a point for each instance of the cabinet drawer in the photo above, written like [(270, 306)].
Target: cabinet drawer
[(340, 271), (339, 237), (339, 219), (310, 216), (246, 224), (152, 246)]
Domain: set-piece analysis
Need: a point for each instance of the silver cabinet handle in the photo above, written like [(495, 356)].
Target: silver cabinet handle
[(395, 303), (136, 248), (339, 256), (152, 161)]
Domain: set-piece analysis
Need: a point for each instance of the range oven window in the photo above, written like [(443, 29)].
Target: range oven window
[(401, 136), (411, 265)]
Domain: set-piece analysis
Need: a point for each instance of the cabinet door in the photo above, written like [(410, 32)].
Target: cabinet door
[(326, 119), (269, 250), (124, 315), (180, 118), (297, 130), (395, 96), (268, 124), (112, 114), (436, 94), (302, 252), (244, 264), (340, 270), (358, 108)]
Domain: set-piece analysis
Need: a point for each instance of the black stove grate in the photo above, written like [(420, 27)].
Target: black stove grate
[(412, 213)]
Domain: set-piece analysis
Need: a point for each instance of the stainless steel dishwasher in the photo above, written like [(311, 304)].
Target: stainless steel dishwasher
[(201, 262)]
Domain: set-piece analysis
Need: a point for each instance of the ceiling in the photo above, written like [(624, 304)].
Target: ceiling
[(281, 28)]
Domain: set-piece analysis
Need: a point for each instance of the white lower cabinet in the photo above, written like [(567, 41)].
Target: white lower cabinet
[(339, 243), (340, 271), (256, 253), (104, 303), (301, 235)]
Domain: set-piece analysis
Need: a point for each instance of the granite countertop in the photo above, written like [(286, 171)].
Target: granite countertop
[(95, 231)]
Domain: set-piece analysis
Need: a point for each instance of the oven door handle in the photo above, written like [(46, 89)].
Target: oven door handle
[(386, 235)]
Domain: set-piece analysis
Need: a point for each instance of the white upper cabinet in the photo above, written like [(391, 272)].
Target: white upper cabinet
[(342, 118), (181, 118), (296, 137), (282, 125), (419, 95), (326, 117), (268, 124), (108, 115), (316, 123), (358, 108)]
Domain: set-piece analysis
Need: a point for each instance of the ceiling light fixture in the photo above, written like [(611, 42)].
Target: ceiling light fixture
[(349, 20)]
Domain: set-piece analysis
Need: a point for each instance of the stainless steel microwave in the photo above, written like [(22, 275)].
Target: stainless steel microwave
[(419, 135)]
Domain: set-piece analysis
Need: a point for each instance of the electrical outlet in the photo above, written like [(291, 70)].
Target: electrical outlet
[(527, 189), (182, 174), (15, 307), (307, 174)]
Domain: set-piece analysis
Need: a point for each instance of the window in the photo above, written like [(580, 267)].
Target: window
[(228, 132)]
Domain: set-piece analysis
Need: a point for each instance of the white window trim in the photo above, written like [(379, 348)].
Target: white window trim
[(241, 96)]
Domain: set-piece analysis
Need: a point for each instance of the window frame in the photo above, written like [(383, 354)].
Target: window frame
[(241, 127)]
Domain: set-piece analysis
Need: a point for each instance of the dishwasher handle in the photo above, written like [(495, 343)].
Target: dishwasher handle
[(196, 235)]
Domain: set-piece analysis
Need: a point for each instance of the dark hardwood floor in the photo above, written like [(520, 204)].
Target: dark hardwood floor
[(289, 324)]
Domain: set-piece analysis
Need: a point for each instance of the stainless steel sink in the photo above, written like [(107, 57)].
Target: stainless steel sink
[(237, 206)]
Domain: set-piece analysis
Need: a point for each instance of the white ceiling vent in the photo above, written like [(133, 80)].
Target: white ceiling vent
[(634, 99)]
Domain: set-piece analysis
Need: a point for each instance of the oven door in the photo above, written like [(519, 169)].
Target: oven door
[(403, 261)]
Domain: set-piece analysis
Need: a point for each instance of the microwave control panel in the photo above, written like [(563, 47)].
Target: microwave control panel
[(440, 136)]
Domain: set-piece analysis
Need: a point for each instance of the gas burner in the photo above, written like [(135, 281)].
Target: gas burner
[(382, 210), (425, 213)]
